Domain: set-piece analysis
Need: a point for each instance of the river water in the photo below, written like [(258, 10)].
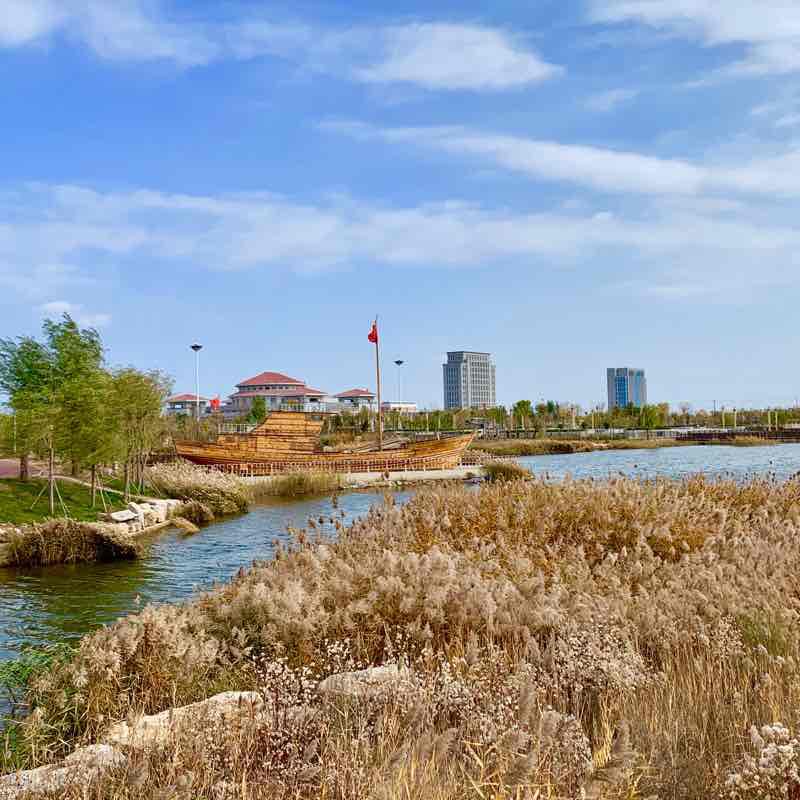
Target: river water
[(56, 604)]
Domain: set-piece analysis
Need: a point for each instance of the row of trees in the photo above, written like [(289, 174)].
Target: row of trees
[(550, 414), (68, 405)]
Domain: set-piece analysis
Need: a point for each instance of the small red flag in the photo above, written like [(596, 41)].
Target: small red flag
[(373, 334), (215, 404)]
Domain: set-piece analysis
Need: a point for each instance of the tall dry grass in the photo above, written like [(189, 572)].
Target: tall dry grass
[(296, 484), (67, 542), (621, 639), (221, 493)]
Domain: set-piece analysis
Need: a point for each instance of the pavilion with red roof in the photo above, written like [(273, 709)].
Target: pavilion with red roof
[(277, 390), (358, 398)]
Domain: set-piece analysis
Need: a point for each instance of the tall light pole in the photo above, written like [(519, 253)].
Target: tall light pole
[(399, 363), (197, 348)]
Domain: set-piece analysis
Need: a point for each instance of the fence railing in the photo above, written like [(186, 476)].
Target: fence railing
[(265, 470)]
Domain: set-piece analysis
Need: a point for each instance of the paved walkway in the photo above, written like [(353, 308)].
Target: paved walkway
[(9, 468)]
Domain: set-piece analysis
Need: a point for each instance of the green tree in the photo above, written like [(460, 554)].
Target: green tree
[(258, 411), (522, 411), (26, 377), (137, 399), (649, 417), (81, 396)]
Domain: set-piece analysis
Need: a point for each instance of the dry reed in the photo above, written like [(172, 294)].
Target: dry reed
[(221, 493), (67, 542), (620, 639)]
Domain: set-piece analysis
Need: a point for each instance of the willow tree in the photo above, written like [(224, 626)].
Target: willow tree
[(136, 402), (26, 377)]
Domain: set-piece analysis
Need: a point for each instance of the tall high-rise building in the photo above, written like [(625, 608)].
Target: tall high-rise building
[(469, 380), (626, 386)]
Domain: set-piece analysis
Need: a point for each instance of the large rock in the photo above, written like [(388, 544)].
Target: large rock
[(366, 682), (126, 515), (82, 767), (156, 730)]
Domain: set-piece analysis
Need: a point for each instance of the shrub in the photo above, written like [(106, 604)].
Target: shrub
[(221, 493), (294, 484), (505, 471), (65, 541)]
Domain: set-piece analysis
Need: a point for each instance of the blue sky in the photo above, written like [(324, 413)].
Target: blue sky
[(567, 185)]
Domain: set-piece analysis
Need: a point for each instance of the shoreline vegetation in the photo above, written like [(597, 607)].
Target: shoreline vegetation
[(65, 541), (510, 448), (581, 639)]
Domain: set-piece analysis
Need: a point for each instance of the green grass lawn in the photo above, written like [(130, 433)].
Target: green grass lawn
[(16, 499)]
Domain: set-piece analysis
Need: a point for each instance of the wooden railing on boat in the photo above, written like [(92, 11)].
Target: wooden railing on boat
[(256, 470)]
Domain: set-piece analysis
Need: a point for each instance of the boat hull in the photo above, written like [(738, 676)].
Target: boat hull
[(288, 441)]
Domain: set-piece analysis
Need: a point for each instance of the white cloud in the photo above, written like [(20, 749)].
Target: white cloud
[(600, 169), (427, 54), (56, 308), (23, 21), (603, 102), (769, 29), (449, 56), (147, 229)]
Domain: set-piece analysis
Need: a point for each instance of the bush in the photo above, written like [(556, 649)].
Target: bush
[(68, 542), (221, 493), (506, 471), (294, 484)]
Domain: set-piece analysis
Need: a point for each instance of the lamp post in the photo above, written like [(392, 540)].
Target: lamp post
[(197, 348), (399, 363)]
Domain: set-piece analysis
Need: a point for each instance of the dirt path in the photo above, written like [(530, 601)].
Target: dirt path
[(9, 468)]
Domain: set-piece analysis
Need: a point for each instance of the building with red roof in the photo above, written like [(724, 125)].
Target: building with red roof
[(356, 398), (186, 404), (278, 390)]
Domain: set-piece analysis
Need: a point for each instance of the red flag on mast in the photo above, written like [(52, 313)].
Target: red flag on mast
[(373, 334)]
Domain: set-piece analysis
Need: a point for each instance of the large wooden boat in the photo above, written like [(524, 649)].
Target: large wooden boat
[(289, 441)]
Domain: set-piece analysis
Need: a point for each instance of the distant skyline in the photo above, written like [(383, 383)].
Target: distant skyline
[(564, 185)]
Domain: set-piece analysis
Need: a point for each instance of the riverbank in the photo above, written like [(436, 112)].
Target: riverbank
[(511, 448), (528, 637)]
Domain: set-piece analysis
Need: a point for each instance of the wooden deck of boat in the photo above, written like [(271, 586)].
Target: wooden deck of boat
[(290, 441)]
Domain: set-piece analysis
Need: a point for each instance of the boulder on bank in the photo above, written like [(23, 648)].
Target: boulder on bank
[(365, 682), (156, 730), (81, 767)]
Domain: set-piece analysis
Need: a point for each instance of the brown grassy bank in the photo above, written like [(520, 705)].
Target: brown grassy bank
[(511, 448), (295, 484), (620, 639), (64, 541)]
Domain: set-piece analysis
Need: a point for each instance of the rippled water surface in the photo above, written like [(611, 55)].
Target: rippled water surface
[(782, 461), (58, 603), (52, 604)]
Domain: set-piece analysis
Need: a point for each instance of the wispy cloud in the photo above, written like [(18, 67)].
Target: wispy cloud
[(264, 231), (604, 102), (448, 56), (769, 31), (56, 308), (600, 169), (430, 55)]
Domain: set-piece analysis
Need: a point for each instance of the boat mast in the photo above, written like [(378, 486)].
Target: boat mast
[(378, 372)]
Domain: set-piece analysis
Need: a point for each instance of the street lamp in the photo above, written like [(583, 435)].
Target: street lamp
[(399, 363), (197, 348)]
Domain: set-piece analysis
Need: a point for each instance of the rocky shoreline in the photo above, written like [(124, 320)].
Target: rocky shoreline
[(231, 709)]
